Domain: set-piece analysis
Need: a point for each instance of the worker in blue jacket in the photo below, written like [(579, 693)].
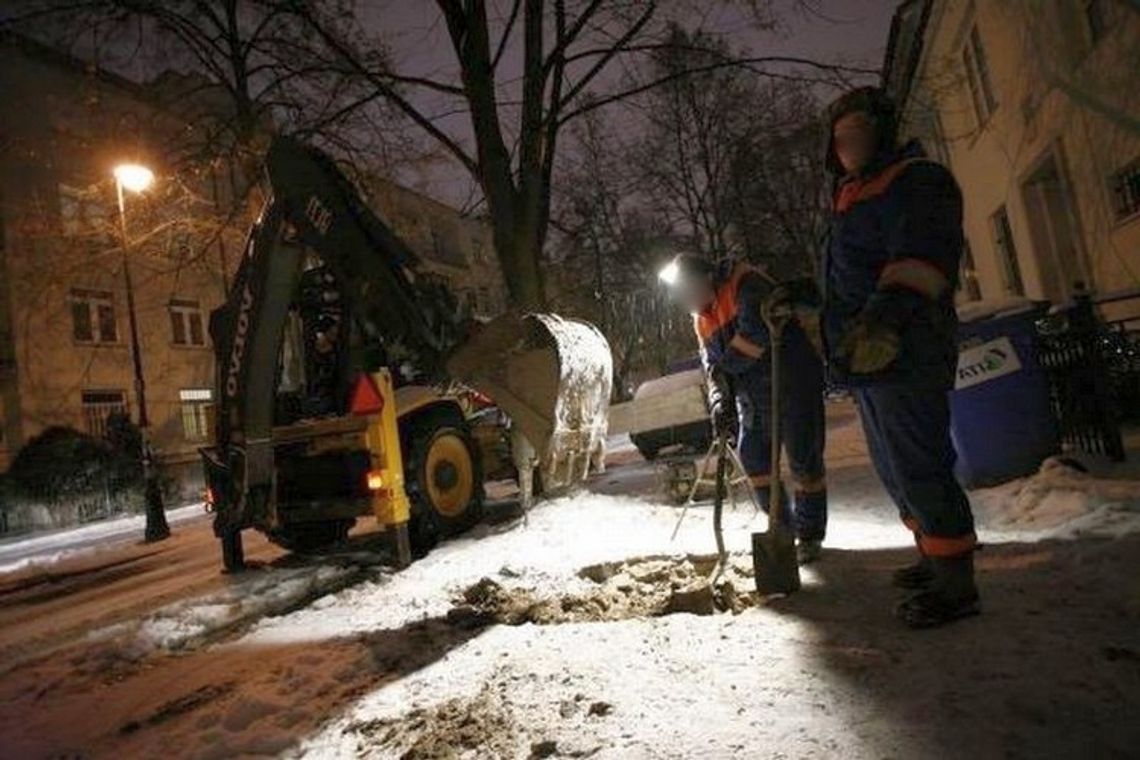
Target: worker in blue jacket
[(889, 274), (726, 303)]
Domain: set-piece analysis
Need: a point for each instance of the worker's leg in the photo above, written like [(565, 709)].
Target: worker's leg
[(875, 429), (753, 402), (913, 431), (804, 424)]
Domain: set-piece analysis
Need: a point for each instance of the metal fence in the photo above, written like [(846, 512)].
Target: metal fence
[(1093, 368)]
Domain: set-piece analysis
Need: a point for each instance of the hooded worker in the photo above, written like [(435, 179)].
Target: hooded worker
[(726, 303), (889, 274)]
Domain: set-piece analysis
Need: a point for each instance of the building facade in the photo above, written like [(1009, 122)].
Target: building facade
[(65, 355), (1035, 107)]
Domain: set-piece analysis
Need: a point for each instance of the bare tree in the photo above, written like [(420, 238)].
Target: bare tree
[(734, 160), (516, 117)]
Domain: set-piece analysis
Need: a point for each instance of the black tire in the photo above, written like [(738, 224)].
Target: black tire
[(312, 537), (448, 500)]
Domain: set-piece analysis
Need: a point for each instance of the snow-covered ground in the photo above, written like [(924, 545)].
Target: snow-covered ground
[(50, 548), (563, 636)]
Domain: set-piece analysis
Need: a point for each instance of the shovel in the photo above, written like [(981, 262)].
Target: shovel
[(774, 561)]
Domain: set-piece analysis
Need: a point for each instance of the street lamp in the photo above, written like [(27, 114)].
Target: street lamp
[(137, 178)]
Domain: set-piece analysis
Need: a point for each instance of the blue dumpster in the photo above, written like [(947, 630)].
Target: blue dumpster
[(1001, 420)]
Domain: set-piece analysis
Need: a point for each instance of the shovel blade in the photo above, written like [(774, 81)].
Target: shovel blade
[(774, 562)]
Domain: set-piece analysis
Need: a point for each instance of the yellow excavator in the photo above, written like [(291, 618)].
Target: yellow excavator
[(350, 384)]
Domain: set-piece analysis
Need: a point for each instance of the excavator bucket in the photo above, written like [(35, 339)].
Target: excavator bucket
[(553, 377)]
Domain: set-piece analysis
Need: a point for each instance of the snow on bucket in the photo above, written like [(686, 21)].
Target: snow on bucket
[(553, 377)]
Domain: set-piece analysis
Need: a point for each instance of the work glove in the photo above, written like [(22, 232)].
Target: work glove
[(868, 347)]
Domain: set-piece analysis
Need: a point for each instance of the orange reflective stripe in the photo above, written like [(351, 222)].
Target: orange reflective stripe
[(723, 309), (864, 189), (918, 275), (746, 347), (940, 546), (760, 481)]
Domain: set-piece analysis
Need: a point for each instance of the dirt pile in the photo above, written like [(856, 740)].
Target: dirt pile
[(635, 588), (458, 727)]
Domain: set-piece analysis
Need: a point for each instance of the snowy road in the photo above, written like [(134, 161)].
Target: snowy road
[(16, 553), (575, 634)]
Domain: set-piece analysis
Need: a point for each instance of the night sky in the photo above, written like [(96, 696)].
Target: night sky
[(846, 31)]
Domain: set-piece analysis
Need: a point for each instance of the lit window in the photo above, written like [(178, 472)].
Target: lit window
[(93, 317), (978, 77), (98, 406), (197, 405), (1125, 186), (186, 323)]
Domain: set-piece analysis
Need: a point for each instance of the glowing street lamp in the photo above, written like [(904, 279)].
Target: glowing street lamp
[(137, 178)]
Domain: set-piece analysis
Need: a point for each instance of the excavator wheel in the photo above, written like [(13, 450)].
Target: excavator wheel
[(311, 537), (443, 476)]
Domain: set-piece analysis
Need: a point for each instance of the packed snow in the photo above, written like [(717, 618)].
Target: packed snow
[(571, 632)]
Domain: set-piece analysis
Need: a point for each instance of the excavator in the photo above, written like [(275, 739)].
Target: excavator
[(351, 384)]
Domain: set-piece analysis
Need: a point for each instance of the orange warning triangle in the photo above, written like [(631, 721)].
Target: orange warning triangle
[(366, 398)]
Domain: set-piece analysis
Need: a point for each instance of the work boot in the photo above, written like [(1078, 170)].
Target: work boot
[(950, 596), (919, 575), (914, 577), (808, 550)]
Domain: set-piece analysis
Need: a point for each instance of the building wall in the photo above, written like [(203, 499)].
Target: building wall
[(64, 128), (1064, 100), (457, 248)]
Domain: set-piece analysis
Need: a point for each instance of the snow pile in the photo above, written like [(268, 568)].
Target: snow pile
[(1060, 501), (259, 594)]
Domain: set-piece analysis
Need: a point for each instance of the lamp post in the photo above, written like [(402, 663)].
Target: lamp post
[(137, 178)]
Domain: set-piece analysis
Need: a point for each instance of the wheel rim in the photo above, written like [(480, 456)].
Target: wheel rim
[(449, 474)]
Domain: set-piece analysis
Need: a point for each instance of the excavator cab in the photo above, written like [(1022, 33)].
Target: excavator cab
[(350, 385)]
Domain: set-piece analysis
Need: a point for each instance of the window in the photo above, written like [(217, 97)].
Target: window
[(1096, 17), (446, 249), (978, 77), (81, 211), (186, 323), (93, 317), (1125, 185), (478, 251), (197, 405), (1007, 253), (98, 406), (968, 276)]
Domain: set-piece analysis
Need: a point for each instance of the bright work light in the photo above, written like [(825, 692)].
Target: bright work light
[(669, 273), (134, 177)]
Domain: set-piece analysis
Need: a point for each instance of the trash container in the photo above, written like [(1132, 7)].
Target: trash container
[(1001, 419)]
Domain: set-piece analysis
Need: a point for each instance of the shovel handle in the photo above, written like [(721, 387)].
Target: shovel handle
[(775, 504)]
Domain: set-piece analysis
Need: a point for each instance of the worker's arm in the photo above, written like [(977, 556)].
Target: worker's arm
[(924, 244), (749, 342)]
